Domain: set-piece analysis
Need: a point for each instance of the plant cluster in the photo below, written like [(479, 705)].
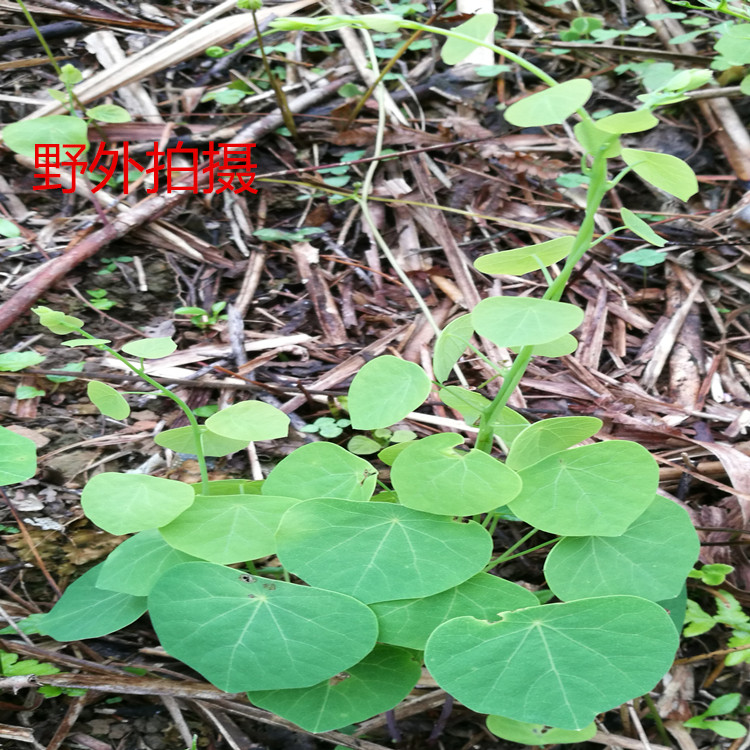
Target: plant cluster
[(373, 580)]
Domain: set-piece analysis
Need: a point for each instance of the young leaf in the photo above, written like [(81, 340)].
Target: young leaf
[(228, 528), (524, 321), (322, 470), (248, 421), (644, 257), (109, 113), (243, 632), (126, 503), (431, 476), (154, 348), (663, 171), (17, 457), (627, 122), (450, 346), (85, 611), (481, 27), (724, 704), (561, 347), (557, 664), (135, 566), (376, 684), (379, 551), (384, 391), (593, 139), (639, 227), (593, 490), (54, 130), (84, 342), (15, 361), (409, 622), (552, 106), (537, 734), (548, 436), (651, 559), (56, 321), (109, 401), (182, 440), (525, 259)]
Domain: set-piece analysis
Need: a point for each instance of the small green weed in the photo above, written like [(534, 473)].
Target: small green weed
[(202, 318)]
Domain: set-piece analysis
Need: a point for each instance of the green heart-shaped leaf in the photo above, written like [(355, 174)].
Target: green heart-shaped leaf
[(409, 622), (230, 528), (651, 559), (430, 475), (552, 106), (86, 611), (135, 566), (110, 402), (379, 551), (522, 260), (450, 346), (242, 632), (594, 490), (524, 321), (548, 436), (384, 391), (322, 470), (376, 684), (17, 457), (126, 503), (557, 664), (249, 421)]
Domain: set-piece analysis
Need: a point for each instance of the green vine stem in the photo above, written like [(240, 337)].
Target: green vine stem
[(164, 392)]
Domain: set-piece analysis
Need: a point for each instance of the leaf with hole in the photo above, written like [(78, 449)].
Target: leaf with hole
[(86, 611), (450, 346), (651, 559), (322, 470), (379, 551), (523, 260), (244, 632), (376, 684), (110, 402), (548, 436), (556, 664), (153, 348), (481, 28), (430, 475), (663, 171), (126, 503), (409, 622), (249, 421), (17, 457), (384, 391), (524, 321), (536, 734), (593, 490), (135, 566), (551, 106), (182, 440), (228, 528)]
